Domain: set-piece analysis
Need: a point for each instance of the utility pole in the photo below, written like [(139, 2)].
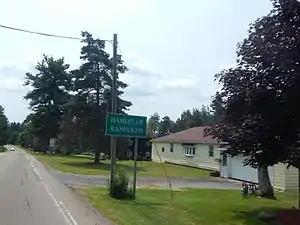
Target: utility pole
[(135, 166), (113, 145)]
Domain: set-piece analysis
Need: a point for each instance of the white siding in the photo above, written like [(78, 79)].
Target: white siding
[(292, 179), (201, 158), (243, 172), (280, 176)]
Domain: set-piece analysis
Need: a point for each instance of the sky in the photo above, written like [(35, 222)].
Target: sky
[(172, 48)]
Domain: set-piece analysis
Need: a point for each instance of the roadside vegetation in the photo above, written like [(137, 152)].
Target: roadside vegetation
[(3, 149), (77, 164), (188, 207)]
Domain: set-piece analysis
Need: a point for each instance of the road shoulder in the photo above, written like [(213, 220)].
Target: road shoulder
[(82, 211)]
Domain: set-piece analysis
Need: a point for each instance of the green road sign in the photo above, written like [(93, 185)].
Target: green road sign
[(126, 125)]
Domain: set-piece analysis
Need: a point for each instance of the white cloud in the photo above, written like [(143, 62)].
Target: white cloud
[(180, 82), (12, 90), (152, 91), (172, 54), (11, 84)]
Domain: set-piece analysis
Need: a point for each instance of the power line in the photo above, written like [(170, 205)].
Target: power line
[(39, 33), (45, 34)]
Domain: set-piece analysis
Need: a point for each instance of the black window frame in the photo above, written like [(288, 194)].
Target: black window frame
[(211, 152)]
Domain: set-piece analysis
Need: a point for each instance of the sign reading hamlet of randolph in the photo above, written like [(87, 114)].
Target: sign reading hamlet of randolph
[(126, 125)]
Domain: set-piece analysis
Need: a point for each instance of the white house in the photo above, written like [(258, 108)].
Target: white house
[(191, 148)]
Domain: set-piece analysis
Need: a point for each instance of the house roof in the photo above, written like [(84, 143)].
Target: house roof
[(192, 135)]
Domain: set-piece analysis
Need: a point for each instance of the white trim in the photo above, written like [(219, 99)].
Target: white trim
[(189, 151)]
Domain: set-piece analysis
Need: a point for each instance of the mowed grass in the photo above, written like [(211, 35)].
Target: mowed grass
[(85, 165), (188, 207)]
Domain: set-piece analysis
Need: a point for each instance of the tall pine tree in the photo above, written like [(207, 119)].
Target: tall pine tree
[(50, 91), (92, 100)]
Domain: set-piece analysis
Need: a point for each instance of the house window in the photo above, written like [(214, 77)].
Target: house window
[(211, 151), (171, 147), (162, 149), (189, 150)]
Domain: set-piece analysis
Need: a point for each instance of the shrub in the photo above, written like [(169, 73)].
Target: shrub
[(3, 149), (121, 189), (215, 174)]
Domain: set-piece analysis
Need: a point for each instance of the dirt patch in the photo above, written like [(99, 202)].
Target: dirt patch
[(288, 217), (79, 191)]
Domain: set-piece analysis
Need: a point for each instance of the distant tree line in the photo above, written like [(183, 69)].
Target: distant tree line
[(9, 132), (205, 116), (4, 135)]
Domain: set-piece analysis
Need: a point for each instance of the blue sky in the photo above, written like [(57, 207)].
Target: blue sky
[(173, 48)]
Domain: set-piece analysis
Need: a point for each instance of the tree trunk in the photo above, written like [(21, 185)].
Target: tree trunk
[(97, 157), (97, 152), (43, 144), (298, 203), (264, 183)]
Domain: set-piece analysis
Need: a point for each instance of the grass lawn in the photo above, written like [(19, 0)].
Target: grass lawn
[(188, 207), (85, 165)]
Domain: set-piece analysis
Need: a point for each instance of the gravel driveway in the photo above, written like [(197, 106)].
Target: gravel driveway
[(92, 180)]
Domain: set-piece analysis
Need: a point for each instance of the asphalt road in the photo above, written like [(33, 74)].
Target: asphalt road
[(29, 195)]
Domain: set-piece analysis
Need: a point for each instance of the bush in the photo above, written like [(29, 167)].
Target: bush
[(3, 149), (121, 189), (215, 174)]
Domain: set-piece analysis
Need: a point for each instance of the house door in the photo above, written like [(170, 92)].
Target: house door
[(224, 166)]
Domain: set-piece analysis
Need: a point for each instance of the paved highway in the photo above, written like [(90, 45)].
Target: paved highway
[(29, 195)]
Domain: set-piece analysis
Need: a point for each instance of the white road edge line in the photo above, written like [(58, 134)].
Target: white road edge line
[(61, 207), (68, 213), (36, 172)]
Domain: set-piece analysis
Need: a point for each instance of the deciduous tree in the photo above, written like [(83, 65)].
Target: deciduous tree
[(261, 120)]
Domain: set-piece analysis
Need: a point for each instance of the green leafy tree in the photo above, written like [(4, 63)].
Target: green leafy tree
[(14, 130), (3, 127), (260, 119), (194, 118), (50, 86), (166, 126), (153, 123), (25, 138)]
